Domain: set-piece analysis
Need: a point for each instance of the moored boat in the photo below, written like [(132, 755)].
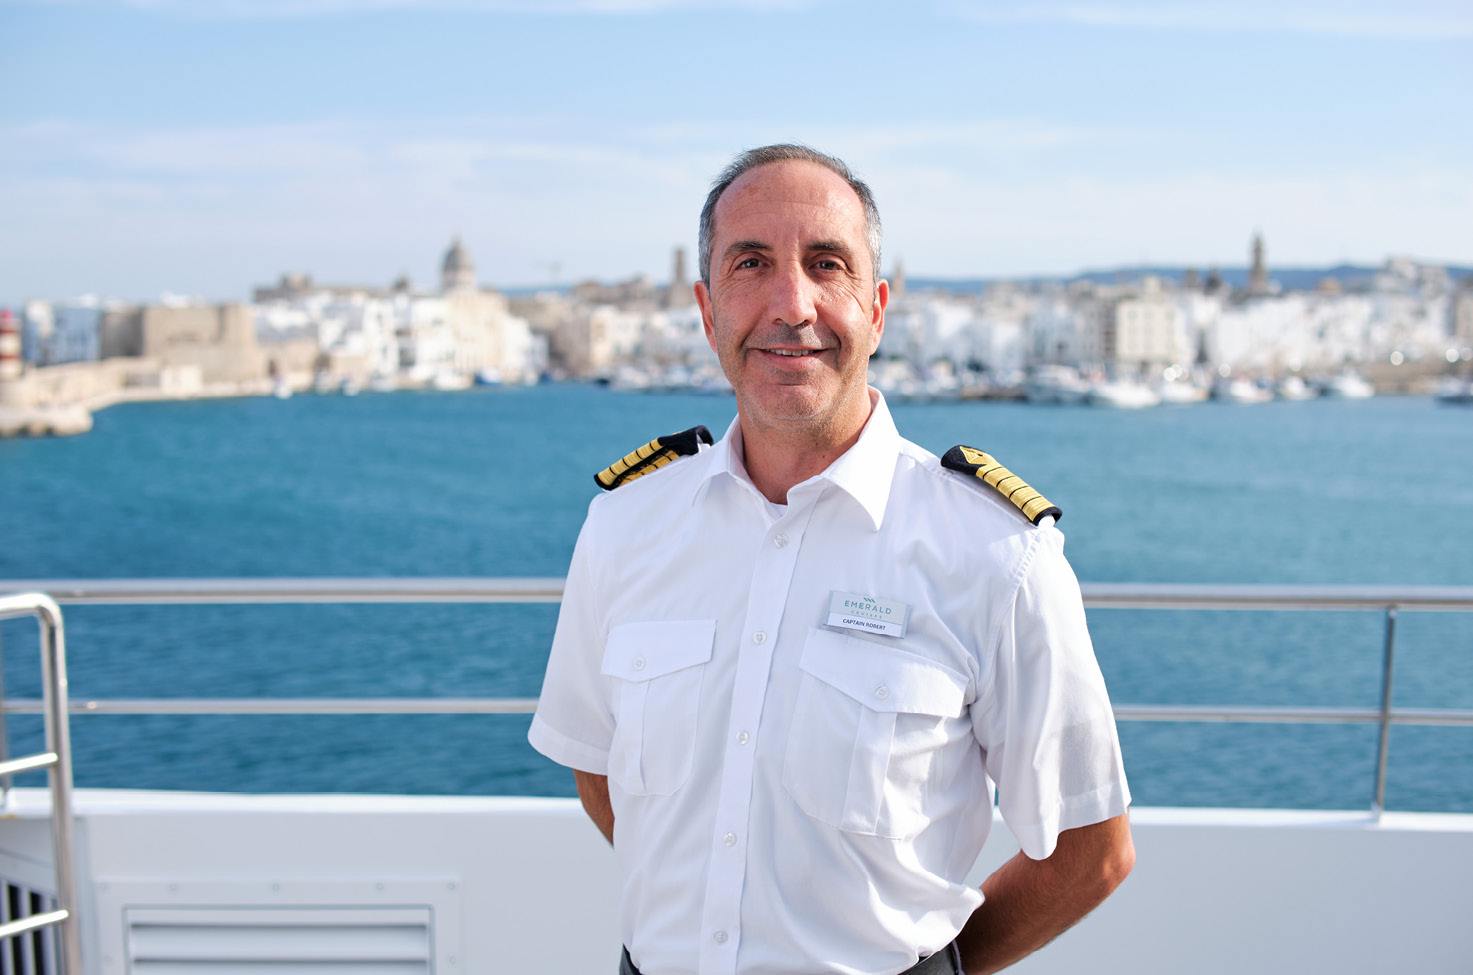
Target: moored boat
[(1455, 390), (1051, 383), (448, 380), (1179, 392), (1294, 389), (1240, 390), (1348, 385), (1123, 394)]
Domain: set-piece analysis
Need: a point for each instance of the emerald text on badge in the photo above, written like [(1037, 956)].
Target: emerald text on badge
[(870, 614)]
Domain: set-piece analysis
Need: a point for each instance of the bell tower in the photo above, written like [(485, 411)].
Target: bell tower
[(1258, 274)]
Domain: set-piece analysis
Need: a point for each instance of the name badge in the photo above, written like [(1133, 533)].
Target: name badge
[(856, 611)]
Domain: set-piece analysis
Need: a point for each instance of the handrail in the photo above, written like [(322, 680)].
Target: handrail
[(171, 592), (1178, 596), (1253, 714), (1197, 596), (473, 589), (58, 763)]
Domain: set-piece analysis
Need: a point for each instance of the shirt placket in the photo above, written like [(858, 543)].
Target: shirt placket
[(772, 575)]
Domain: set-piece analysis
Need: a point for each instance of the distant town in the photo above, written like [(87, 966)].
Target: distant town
[(1115, 339)]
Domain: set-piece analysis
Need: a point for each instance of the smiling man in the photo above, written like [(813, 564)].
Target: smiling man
[(789, 705)]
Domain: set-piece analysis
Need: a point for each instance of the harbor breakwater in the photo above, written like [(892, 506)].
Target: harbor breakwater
[(60, 400)]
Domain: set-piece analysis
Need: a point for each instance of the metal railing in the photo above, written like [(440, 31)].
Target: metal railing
[(1388, 600), (56, 760)]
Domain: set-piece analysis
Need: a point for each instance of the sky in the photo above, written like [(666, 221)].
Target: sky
[(205, 148)]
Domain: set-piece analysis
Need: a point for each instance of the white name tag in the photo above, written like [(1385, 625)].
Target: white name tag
[(856, 611)]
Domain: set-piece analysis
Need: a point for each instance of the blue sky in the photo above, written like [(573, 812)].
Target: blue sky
[(206, 147)]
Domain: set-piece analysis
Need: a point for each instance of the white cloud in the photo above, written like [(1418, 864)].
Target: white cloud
[(1207, 217), (1410, 21), (98, 208), (275, 9)]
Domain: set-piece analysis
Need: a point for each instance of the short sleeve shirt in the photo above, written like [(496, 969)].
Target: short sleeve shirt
[(794, 796)]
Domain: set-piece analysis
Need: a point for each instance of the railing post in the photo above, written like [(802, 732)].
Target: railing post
[(58, 735), (5, 780), (57, 762), (1378, 805)]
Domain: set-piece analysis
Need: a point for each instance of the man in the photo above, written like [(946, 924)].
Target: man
[(789, 669)]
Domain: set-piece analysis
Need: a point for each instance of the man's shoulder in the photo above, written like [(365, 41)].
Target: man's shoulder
[(655, 455), (977, 488), (653, 473)]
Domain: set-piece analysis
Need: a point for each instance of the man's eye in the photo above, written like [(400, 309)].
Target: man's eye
[(827, 265), (750, 262)]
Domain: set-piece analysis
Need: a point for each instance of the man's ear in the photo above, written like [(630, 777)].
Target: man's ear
[(708, 320), (877, 314)]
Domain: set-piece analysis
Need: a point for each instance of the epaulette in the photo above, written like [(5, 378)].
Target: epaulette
[(970, 460), (652, 456)]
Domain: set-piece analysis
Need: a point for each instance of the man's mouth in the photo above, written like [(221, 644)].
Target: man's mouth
[(795, 352)]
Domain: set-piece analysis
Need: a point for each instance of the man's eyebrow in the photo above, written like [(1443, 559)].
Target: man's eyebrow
[(739, 246), (812, 247), (832, 246)]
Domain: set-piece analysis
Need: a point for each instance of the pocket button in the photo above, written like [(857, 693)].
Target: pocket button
[(882, 692)]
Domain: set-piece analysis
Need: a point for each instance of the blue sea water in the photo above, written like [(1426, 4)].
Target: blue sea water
[(495, 483)]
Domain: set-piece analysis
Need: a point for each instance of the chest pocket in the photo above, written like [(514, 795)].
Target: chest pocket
[(656, 669), (869, 724)]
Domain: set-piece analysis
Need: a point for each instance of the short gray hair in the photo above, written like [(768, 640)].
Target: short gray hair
[(783, 152)]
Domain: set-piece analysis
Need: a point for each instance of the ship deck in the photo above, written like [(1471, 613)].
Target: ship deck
[(224, 883), (289, 884)]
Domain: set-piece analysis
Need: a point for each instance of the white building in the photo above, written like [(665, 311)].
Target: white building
[(593, 339), (1063, 328), (461, 332), (1145, 333), (53, 333)]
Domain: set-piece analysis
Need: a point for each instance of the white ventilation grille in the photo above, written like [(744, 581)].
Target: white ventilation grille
[(32, 953), (280, 941)]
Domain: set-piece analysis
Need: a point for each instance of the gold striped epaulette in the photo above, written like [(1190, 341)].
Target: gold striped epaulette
[(970, 460), (652, 456)]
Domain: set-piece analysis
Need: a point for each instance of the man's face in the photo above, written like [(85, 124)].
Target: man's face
[(793, 311)]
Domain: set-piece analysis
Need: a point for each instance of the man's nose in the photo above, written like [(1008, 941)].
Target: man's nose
[(793, 296)]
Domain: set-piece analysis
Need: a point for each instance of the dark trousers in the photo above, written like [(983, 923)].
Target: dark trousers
[(947, 961)]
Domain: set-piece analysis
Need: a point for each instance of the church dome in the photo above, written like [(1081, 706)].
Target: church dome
[(457, 257), (457, 270)]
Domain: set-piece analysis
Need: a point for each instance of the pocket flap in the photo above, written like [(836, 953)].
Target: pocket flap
[(644, 651), (884, 678)]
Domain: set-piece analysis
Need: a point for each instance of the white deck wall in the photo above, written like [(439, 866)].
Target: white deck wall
[(528, 884)]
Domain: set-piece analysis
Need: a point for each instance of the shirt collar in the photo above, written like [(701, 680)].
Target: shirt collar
[(865, 471)]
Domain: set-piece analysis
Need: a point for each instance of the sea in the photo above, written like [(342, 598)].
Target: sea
[(495, 482)]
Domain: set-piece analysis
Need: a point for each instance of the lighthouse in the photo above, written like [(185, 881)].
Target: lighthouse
[(10, 364)]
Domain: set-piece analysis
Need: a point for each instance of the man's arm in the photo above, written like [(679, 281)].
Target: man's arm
[(1031, 902), (594, 791)]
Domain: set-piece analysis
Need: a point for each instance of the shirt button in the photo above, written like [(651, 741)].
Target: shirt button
[(743, 737), (759, 637), (882, 692), (639, 663), (729, 839), (720, 937), (780, 540)]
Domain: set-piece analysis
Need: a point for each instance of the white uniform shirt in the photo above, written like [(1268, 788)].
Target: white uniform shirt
[(791, 797)]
